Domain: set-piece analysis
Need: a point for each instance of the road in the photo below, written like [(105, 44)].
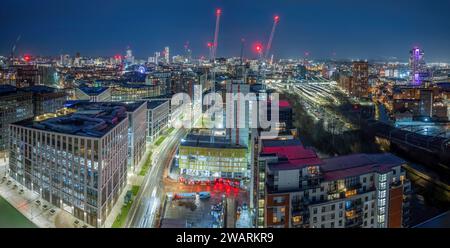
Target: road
[(143, 211)]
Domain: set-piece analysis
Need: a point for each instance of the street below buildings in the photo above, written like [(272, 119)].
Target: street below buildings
[(148, 200)]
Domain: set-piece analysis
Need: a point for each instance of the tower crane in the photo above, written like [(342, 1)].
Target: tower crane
[(276, 20)]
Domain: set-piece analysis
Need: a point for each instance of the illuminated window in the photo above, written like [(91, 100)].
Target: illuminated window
[(275, 219), (297, 219), (350, 214), (261, 203), (350, 193)]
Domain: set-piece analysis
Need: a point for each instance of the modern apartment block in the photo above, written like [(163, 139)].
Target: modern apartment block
[(137, 127), (93, 94), (297, 189), (76, 161), (157, 118), (15, 105)]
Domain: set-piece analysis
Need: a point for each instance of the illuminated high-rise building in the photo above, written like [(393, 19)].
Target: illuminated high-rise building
[(157, 55), (167, 55), (129, 58), (360, 71), (418, 71)]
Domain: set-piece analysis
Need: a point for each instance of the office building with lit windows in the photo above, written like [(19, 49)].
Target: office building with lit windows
[(15, 105), (76, 161), (303, 191), (134, 92), (46, 99), (201, 159), (157, 118), (137, 127)]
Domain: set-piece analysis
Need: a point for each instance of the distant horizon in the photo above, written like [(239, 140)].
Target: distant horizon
[(338, 59), (322, 28)]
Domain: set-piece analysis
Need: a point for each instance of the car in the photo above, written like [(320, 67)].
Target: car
[(85, 226), (52, 211), (45, 207), (38, 202)]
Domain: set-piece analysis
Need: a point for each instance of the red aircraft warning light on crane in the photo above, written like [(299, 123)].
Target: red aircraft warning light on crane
[(276, 20)]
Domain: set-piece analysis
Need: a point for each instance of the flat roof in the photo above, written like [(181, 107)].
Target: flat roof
[(6, 89), (93, 91), (152, 104), (41, 89), (292, 153), (358, 164), (93, 123), (87, 105), (193, 140)]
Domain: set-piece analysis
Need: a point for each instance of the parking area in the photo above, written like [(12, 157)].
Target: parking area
[(200, 213)]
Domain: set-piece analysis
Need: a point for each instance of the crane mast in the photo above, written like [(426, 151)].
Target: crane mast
[(213, 61), (276, 19)]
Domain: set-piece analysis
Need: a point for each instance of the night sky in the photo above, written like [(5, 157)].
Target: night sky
[(363, 29)]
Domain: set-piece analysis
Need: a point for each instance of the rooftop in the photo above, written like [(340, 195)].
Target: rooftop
[(7, 89), (93, 91), (358, 164), (42, 89), (292, 153), (152, 104), (89, 106), (205, 141), (93, 123)]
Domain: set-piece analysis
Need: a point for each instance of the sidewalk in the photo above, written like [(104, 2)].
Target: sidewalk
[(26, 203), (132, 179)]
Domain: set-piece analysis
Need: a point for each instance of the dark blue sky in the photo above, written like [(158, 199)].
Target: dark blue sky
[(350, 28)]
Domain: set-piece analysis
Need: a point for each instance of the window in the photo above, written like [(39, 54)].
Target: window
[(332, 224), (340, 223), (323, 209), (333, 207), (315, 219), (364, 179), (315, 210), (278, 199), (323, 217)]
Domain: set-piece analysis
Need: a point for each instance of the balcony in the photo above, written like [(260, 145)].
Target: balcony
[(354, 223)]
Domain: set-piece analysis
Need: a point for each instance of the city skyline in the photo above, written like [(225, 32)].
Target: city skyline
[(344, 30)]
